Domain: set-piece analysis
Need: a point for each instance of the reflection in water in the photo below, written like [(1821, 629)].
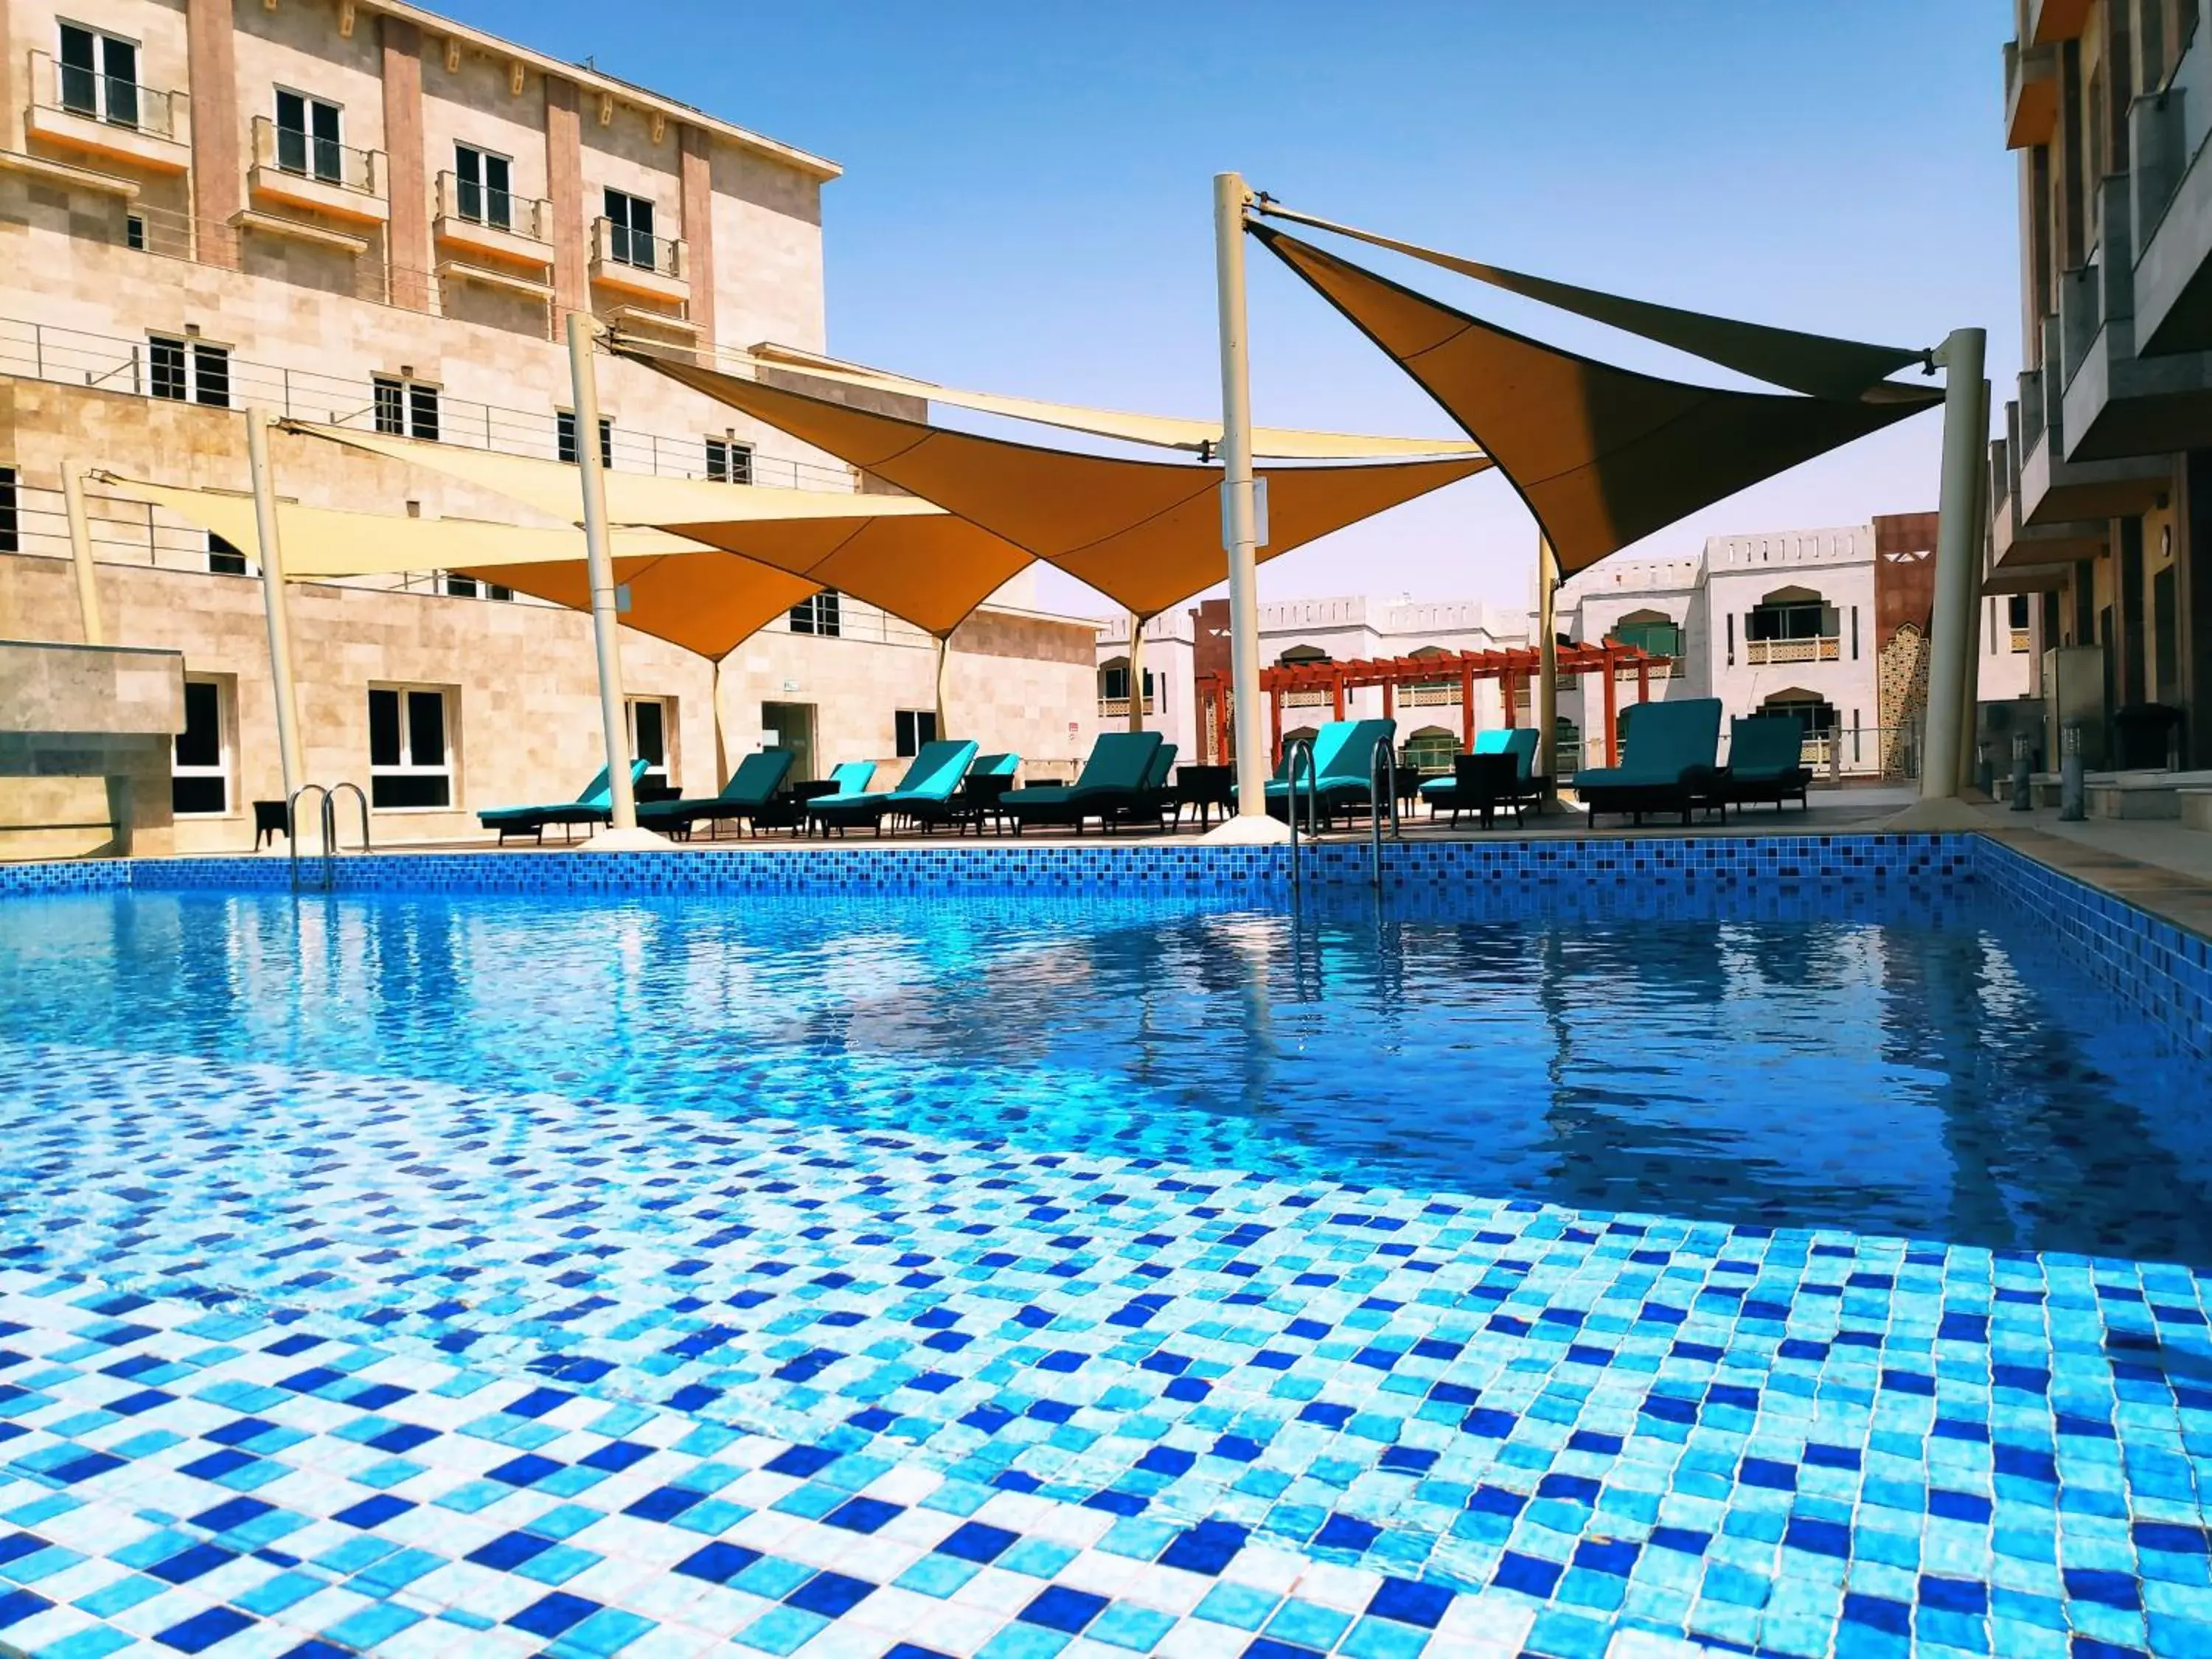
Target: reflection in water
[(1884, 1063)]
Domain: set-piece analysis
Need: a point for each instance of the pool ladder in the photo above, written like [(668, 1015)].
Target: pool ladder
[(326, 861), (1382, 769), (1382, 786), (1301, 748)]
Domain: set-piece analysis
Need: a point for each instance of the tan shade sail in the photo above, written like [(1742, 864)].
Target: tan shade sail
[(699, 597), (1814, 364), (905, 554), (1165, 431), (1147, 534), (1602, 456)]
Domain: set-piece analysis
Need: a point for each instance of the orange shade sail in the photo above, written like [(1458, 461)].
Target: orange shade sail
[(1147, 534), (1602, 456)]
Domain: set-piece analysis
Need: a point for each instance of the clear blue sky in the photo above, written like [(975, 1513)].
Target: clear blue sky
[(1026, 200)]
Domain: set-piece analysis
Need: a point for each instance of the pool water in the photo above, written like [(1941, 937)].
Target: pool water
[(1807, 1274)]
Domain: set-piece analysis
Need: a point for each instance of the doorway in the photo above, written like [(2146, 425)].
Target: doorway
[(792, 726)]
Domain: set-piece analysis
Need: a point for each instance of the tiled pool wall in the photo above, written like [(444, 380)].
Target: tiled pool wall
[(2156, 968)]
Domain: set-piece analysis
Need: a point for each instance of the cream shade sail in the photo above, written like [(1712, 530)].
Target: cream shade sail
[(1602, 456), (699, 598), (1164, 431), (905, 554), (1147, 534)]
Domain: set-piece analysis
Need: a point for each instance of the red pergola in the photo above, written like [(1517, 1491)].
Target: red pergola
[(1512, 668)]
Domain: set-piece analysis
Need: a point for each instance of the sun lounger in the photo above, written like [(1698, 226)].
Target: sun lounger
[(928, 784), (1110, 783), (1343, 759), (1668, 767), (596, 804), (1156, 797), (746, 795), (1766, 761), (990, 777), (788, 810)]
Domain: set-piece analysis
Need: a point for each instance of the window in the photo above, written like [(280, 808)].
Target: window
[(98, 76), (2016, 620), (11, 523), (1114, 682), (460, 587), (1816, 720), (406, 408), (1787, 619), (308, 137), (1651, 632), (651, 720), (916, 726), (1855, 633), (1731, 638), (223, 559), (817, 615), (480, 187), (181, 370), (564, 437), (1429, 753), (729, 462), (134, 231), (629, 230), (409, 760), (199, 773)]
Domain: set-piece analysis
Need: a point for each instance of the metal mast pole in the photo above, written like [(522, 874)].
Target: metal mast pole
[(275, 601)]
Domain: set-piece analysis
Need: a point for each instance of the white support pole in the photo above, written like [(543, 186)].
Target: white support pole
[(1240, 520), (1977, 610), (1136, 672), (1957, 578), (275, 601), (1547, 665), (584, 388), (80, 537)]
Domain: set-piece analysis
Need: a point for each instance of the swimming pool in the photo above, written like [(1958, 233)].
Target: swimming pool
[(1814, 1266)]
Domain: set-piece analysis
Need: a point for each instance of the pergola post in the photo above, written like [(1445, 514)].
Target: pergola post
[(1958, 571), (1466, 700), (1642, 678), (1508, 685), (1336, 691), (1239, 516), (1274, 729), (1612, 712), (276, 602), (1548, 666)]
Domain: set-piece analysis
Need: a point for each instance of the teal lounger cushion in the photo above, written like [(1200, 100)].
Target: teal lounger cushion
[(852, 777), (1666, 740), (1119, 760), (757, 779), (596, 796), (934, 775), (1344, 750), (994, 765), (1765, 746), (1520, 743)]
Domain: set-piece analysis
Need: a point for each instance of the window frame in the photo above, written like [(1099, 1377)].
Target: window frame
[(659, 772), (11, 511), (243, 566), (407, 769), (729, 461), (221, 770), (315, 149), (405, 407), (105, 80), (183, 368), (495, 203), (564, 439), (626, 239), (820, 615), (907, 739)]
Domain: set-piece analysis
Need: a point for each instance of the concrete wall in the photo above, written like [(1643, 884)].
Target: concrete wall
[(85, 735)]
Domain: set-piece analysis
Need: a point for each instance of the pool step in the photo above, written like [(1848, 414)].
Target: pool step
[(2196, 808)]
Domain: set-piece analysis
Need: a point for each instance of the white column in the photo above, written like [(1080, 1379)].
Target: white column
[(1977, 608), (1548, 663), (584, 384), (1136, 672), (1239, 521), (275, 601), (80, 537), (1958, 579)]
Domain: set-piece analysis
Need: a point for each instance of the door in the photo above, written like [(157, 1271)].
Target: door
[(792, 723)]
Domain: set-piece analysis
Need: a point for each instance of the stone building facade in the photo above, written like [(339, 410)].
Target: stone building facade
[(368, 214)]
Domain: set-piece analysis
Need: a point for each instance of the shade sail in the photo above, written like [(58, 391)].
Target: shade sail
[(1814, 364), (1602, 456), (1147, 534), (1164, 431), (699, 597), (905, 554)]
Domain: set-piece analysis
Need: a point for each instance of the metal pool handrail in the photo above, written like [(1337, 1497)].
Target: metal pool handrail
[(1382, 764), (1301, 747), (327, 817)]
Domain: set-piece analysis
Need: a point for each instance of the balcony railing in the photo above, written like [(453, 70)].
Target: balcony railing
[(477, 203), (637, 250), (2019, 640), (1117, 709), (109, 98), (1761, 652), (1439, 695), (326, 161)]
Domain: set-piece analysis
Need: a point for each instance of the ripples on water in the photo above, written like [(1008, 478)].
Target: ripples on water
[(1904, 1064)]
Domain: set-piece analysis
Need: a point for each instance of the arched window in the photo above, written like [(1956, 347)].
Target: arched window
[(1815, 717), (1429, 694), (1566, 748), (1429, 751), (1792, 624), (1650, 631), (1304, 656), (1114, 687)]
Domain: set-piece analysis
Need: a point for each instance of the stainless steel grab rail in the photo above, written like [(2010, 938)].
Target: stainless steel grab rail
[(331, 820), (1382, 765), (327, 821), (1301, 748)]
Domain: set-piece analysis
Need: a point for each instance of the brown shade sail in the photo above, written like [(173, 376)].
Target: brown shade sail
[(1817, 365), (709, 602), (1602, 456), (1147, 534)]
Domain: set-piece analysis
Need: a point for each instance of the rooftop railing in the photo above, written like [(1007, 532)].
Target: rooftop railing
[(41, 352)]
